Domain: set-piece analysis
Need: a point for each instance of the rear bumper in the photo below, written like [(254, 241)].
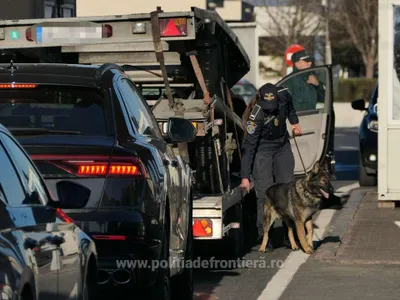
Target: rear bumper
[(128, 245)]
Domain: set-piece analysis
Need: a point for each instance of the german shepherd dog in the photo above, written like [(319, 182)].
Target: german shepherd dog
[(295, 203)]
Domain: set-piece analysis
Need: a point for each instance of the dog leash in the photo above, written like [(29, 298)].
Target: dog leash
[(298, 150)]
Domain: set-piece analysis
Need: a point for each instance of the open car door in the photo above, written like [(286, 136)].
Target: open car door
[(314, 106)]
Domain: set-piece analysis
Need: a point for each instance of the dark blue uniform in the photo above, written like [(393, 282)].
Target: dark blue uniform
[(268, 138)]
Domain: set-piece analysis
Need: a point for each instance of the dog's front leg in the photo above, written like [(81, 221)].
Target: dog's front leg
[(301, 233), (309, 226), (293, 243)]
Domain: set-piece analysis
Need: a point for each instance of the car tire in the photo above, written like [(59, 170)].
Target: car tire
[(162, 288), (182, 284), (365, 179)]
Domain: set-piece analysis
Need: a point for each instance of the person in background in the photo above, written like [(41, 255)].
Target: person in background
[(307, 91)]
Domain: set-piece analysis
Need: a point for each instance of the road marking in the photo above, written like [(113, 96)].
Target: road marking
[(397, 223), (279, 282)]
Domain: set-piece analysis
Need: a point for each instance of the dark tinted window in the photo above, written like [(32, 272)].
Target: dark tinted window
[(56, 108), (30, 177), (10, 185), (140, 113)]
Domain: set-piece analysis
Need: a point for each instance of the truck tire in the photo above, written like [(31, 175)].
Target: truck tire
[(365, 179), (234, 240)]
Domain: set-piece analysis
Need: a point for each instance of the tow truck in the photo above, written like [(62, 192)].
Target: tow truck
[(185, 64)]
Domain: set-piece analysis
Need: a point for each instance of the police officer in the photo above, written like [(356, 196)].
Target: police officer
[(267, 138)]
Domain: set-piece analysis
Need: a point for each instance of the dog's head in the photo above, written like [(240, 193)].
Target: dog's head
[(318, 180)]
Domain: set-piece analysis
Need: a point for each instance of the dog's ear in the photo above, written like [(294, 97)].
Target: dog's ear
[(316, 167)]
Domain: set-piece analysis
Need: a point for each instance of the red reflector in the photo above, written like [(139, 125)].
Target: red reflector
[(63, 216), (28, 34), (202, 227), (110, 237), (173, 27), (107, 31), (18, 86)]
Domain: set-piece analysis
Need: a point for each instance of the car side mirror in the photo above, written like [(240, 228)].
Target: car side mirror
[(180, 130), (72, 195), (358, 104)]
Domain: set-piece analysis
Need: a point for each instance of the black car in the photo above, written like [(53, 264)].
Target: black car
[(43, 254), (368, 135), (90, 125)]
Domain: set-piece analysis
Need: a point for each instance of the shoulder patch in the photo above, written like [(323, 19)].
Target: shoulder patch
[(251, 127), (254, 112)]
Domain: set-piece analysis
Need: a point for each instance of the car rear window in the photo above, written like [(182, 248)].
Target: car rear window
[(76, 109)]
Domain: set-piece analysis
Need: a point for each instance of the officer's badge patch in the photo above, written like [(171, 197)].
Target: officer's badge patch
[(269, 97), (251, 127), (276, 122)]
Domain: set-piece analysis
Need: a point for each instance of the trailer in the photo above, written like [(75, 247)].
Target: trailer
[(185, 64)]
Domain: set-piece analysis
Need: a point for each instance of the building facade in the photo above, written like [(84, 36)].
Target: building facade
[(229, 10)]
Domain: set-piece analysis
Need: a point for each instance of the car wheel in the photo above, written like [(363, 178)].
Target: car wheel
[(366, 179), (182, 284), (162, 287)]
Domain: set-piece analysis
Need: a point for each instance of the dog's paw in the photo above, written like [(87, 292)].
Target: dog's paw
[(311, 246), (261, 249), (295, 248), (309, 250)]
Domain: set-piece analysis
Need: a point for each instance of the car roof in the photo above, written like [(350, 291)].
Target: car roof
[(43, 73)]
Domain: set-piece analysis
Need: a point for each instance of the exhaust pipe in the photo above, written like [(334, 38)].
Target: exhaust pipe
[(102, 276), (121, 276)]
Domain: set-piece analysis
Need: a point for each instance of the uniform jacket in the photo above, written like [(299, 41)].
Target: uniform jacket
[(305, 95), (260, 134)]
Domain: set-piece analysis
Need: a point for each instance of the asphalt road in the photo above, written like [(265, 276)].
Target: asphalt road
[(268, 276)]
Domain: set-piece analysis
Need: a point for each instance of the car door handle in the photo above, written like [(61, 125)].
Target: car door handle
[(30, 243)]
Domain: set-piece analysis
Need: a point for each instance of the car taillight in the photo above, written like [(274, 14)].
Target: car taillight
[(112, 169), (63, 216), (109, 237), (17, 86), (96, 166), (173, 27)]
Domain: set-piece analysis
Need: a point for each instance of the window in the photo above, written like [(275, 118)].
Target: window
[(11, 189), (308, 89), (139, 112), (30, 177), (49, 11), (76, 109)]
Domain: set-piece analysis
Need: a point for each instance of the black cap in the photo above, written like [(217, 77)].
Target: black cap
[(301, 55), (268, 92)]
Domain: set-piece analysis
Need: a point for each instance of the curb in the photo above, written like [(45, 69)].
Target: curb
[(339, 225)]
